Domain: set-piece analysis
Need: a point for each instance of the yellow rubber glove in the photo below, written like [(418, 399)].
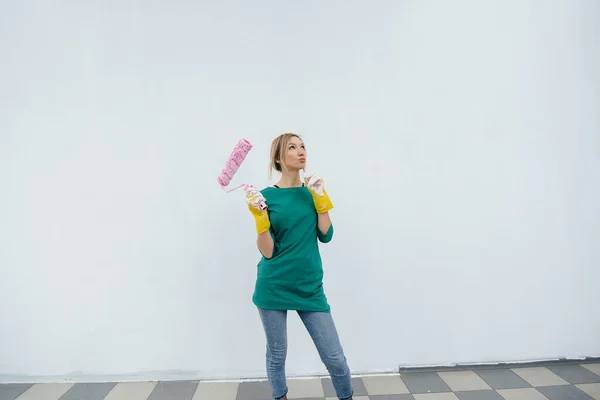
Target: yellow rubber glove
[(261, 218), (320, 197)]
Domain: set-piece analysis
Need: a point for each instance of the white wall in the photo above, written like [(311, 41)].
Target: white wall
[(459, 142)]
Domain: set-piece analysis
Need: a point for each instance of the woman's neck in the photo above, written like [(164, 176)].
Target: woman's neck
[(289, 180)]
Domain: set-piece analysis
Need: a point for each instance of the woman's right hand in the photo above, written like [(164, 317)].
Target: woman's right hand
[(261, 218)]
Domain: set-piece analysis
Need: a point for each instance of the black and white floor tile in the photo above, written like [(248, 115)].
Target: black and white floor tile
[(550, 382)]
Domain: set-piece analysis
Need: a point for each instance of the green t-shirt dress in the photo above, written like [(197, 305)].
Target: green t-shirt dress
[(292, 279)]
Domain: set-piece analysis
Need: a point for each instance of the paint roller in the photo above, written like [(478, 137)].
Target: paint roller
[(236, 158)]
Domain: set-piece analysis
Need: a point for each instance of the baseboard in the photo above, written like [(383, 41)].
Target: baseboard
[(498, 365), (196, 376)]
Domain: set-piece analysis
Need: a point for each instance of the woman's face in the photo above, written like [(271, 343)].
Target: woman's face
[(295, 155)]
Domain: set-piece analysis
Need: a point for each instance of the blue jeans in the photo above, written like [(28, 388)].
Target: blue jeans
[(323, 332)]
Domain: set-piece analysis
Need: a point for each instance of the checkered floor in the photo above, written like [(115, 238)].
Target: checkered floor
[(554, 382)]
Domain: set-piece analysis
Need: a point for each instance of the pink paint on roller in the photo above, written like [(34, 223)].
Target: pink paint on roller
[(234, 161), (236, 158)]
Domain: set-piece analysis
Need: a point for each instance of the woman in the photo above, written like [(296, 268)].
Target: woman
[(290, 274)]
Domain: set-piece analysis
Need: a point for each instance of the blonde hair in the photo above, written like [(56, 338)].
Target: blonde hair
[(278, 147)]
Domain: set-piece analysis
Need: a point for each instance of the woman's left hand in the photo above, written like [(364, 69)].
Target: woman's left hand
[(316, 188)]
